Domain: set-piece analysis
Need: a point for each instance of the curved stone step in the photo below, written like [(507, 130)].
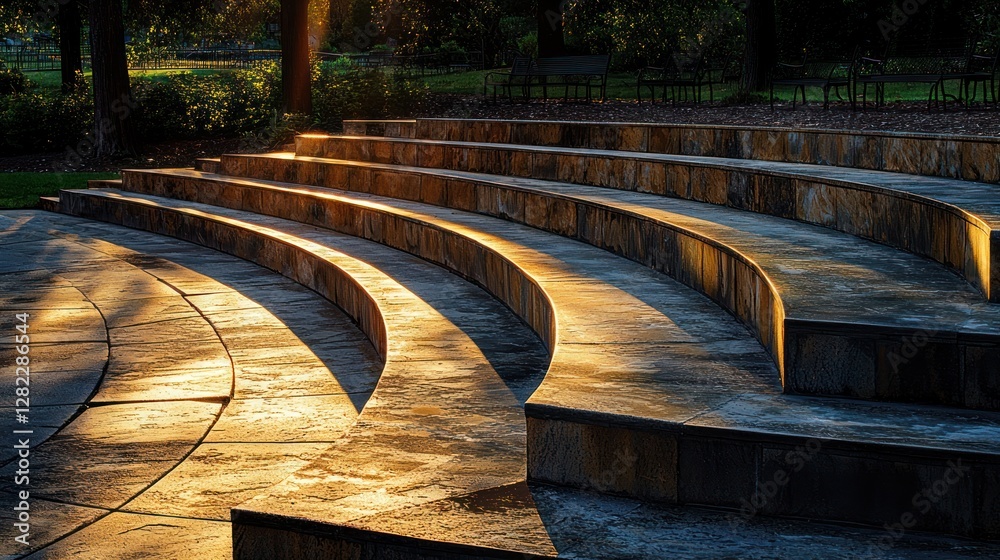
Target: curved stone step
[(849, 318), (956, 223), (446, 413), (642, 367), (972, 158), (150, 423)]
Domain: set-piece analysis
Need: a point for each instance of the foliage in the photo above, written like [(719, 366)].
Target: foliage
[(344, 91), (12, 81), (641, 32), (190, 105), (44, 120)]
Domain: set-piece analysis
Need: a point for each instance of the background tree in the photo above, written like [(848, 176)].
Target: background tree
[(549, 14), (295, 68), (761, 51), (114, 132), (70, 53)]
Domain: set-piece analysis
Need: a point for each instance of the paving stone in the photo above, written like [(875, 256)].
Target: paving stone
[(125, 536), (319, 418), (219, 476), (49, 522)]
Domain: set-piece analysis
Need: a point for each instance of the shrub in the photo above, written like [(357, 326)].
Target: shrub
[(342, 91), (12, 81), (44, 122)]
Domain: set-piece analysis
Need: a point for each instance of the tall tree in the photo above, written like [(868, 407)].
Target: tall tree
[(550, 28), (70, 56), (114, 131), (761, 46), (296, 88)]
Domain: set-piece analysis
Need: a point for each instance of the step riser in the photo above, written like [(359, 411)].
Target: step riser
[(871, 363), (787, 477), (916, 154), (388, 129), (207, 165), (306, 269), (486, 267), (258, 539), (922, 226), (556, 450)]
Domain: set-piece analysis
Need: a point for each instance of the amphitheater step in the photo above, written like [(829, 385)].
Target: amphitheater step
[(973, 158), (956, 223), (153, 359), (643, 368), (851, 317), (208, 165), (583, 526), (49, 203), (448, 407)]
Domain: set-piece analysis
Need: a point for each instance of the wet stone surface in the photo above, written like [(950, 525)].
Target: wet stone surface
[(140, 341)]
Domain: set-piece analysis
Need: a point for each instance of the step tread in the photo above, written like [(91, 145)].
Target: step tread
[(976, 198), (821, 274), (588, 526), (441, 416), (699, 368)]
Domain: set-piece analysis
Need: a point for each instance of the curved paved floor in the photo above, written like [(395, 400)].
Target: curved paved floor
[(158, 361)]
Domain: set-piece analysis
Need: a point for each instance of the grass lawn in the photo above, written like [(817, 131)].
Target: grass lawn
[(621, 85), (53, 80), (22, 190)]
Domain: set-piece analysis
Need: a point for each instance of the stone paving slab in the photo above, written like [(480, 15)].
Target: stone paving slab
[(52, 521), (124, 536), (110, 453), (849, 305)]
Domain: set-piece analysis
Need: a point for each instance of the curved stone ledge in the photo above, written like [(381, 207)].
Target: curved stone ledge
[(972, 158), (815, 357), (956, 229), (274, 251), (669, 470)]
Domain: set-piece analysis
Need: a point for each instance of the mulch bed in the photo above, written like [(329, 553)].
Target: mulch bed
[(912, 117), (909, 117)]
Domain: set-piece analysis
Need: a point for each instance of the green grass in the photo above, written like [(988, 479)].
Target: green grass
[(22, 190), (53, 80)]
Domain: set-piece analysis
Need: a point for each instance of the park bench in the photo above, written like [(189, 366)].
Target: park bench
[(588, 72), (685, 73), (518, 76), (935, 67), (825, 76)]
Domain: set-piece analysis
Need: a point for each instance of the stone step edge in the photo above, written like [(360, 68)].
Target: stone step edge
[(49, 203), (843, 147), (355, 301), (969, 257), (209, 165), (769, 323), (250, 527)]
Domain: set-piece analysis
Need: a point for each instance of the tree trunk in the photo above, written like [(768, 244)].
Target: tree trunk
[(550, 28), (295, 56), (761, 46), (113, 103), (70, 55)]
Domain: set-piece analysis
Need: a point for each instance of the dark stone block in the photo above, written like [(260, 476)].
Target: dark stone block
[(716, 472)]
